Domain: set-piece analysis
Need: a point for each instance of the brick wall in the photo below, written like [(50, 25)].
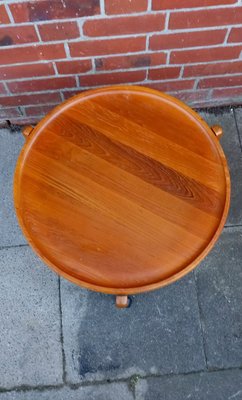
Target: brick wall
[(53, 49)]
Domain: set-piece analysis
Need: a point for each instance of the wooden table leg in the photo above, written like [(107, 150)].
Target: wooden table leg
[(122, 301)]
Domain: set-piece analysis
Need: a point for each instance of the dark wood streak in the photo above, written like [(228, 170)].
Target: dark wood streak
[(161, 204), (147, 169), (166, 129), (148, 143)]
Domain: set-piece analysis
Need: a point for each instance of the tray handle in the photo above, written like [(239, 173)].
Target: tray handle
[(26, 131), (217, 130)]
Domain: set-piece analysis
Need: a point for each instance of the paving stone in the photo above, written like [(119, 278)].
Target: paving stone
[(159, 333), (117, 391), (219, 282), (11, 143), (231, 147), (222, 385), (30, 348)]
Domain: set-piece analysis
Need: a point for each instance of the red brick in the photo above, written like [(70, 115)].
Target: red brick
[(40, 98), (59, 31), (124, 25), (9, 112), (45, 10), (26, 71), (220, 82), (209, 103), (112, 78), (187, 39), (209, 17), (132, 61), (172, 85), (224, 68), (40, 85), (2, 89), (125, 6), (192, 96), (203, 55), (174, 4), (74, 66), (38, 110), (70, 93), (235, 35), (32, 53), (164, 73), (112, 46), (4, 18), (25, 120), (227, 92), (15, 35)]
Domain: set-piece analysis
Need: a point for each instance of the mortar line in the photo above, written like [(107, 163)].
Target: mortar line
[(168, 55), (4, 83), (149, 6), (227, 35), (127, 54), (77, 81), (27, 388), (237, 128), (93, 70), (167, 20), (182, 72), (96, 16), (13, 246), (233, 226), (102, 8), (80, 24), (9, 14), (36, 27), (55, 69), (22, 111), (133, 380), (196, 83), (67, 50), (73, 386), (147, 42), (117, 71), (122, 36), (201, 322), (61, 333)]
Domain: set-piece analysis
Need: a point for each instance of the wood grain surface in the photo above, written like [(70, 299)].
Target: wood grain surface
[(122, 189)]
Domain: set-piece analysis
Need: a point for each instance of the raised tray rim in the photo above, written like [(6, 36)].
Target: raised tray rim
[(140, 289)]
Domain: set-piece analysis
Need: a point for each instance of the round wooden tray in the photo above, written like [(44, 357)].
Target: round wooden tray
[(122, 190)]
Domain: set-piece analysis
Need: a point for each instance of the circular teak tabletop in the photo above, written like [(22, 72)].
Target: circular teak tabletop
[(122, 189)]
